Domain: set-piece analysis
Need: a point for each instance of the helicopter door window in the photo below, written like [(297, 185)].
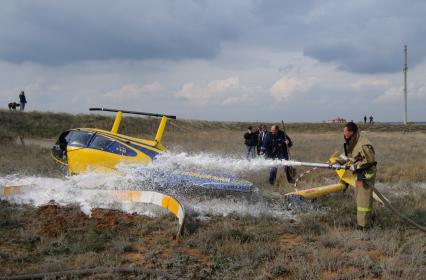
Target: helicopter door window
[(121, 150), (101, 143), (59, 150), (78, 138), (62, 141)]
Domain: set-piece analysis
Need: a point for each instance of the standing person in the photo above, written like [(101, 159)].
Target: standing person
[(365, 119), (262, 134), (371, 119), (22, 101), (360, 155), (256, 134), (275, 146), (250, 140)]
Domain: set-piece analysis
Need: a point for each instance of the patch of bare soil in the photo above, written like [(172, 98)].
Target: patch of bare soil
[(52, 238)]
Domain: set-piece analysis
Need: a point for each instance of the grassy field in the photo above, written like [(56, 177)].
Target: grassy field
[(314, 245), (50, 125)]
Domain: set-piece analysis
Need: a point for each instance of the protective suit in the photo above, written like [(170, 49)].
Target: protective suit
[(359, 152)]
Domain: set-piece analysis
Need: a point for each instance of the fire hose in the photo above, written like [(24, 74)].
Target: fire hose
[(337, 166), (396, 212)]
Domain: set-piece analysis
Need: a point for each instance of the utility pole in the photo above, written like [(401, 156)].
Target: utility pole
[(405, 84)]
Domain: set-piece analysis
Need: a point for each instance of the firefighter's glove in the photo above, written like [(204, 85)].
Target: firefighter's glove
[(351, 167), (341, 161)]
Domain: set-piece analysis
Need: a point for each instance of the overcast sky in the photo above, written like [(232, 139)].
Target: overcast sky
[(216, 60)]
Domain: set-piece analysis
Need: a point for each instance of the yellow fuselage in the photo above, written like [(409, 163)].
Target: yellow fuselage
[(102, 151)]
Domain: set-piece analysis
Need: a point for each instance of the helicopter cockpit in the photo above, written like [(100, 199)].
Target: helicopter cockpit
[(75, 138)]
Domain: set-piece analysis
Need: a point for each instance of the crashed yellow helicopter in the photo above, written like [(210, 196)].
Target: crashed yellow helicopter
[(90, 149), (83, 150)]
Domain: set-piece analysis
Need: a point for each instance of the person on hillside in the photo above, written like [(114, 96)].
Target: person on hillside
[(275, 146), (365, 119), (262, 134), (359, 154), (371, 120), (250, 140), (22, 101)]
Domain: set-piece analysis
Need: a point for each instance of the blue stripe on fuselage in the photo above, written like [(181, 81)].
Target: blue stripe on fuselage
[(124, 139), (152, 154)]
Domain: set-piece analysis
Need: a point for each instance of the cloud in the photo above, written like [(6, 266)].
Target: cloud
[(223, 85), (286, 87), (214, 58), (187, 92), (228, 91), (359, 59), (135, 91), (367, 36), (391, 95), (370, 83), (415, 92), (358, 37), (55, 32)]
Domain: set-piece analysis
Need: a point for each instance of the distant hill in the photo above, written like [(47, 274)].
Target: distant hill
[(50, 125)]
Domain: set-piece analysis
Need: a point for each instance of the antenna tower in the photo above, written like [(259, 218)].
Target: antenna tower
[(405, 84)]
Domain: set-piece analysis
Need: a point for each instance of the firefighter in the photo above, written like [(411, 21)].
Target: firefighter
[(359, 154)]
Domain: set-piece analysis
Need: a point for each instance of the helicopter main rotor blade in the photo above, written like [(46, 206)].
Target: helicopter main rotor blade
[(132, 112)]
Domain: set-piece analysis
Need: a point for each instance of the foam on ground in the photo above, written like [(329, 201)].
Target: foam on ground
[(86, 190)]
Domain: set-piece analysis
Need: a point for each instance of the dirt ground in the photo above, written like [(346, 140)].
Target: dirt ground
[(318, 244)]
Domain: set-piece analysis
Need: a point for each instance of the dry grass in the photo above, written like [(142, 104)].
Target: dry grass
[(320, 245), (233, 247), (401, 156), (26, 160)]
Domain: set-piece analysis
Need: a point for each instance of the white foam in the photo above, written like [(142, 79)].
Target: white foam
[(217, 162), (87, 190)]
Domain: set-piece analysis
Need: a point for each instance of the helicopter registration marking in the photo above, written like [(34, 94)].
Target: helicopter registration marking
[(206, 176), (120, 149)]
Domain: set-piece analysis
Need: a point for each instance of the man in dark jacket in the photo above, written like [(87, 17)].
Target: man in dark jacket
[(22, 100), (275, 146), (250, 140)]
